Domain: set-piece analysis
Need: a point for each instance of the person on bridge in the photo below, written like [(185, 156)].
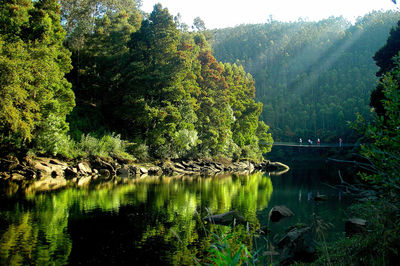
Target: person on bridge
[(319, 141), (301, 141), (340, 142)]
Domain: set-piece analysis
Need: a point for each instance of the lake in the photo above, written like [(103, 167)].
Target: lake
[(158, 220)]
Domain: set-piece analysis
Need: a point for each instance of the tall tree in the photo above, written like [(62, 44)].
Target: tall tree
[(152, 93), (162, 87), (97, 35), (384, 59), (33, 63), (97, 72), (215, 114), (247, 129), (199, 24), (79, 16)]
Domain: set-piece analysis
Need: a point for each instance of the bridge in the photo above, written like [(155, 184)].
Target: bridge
[(306, 145), (293, 151)]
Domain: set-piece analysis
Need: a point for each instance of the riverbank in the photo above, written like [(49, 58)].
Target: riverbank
[(40, 174)]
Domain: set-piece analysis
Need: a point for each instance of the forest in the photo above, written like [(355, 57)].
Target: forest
[(312, 77), (103, 75)]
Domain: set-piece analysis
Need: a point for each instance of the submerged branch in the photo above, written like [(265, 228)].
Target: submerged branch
[(353, 162)]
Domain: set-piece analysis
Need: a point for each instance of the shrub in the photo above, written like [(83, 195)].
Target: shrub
[(139, 151), (227, 250), (52, 138), (184, 140), (107, 146)]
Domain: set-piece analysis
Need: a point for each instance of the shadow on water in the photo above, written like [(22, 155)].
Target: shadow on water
[(154, 220)]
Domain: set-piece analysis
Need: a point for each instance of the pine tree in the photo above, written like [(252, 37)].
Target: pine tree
[(79, 17), (215, 114), (153, 92)]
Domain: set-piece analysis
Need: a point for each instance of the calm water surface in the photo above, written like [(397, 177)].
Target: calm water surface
[(159, 220)]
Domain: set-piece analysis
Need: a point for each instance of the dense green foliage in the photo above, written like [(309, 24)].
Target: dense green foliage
[(139, 75), (78, 16), (312, 77), (149, 80), (383, 151), (379, 243), (162, 88), (34, 95), (384, 60)]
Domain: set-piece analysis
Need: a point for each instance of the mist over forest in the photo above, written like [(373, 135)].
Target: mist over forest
[(312, 77)]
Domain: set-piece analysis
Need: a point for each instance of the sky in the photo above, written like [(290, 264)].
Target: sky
[(230, 13)]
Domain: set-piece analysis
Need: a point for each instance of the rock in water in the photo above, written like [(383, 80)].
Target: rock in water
[(297, 245), (124, 171), (84, 168), (143, 170), (228, 218), (355, 226), (321, 198), (84, 181), (279, 212)]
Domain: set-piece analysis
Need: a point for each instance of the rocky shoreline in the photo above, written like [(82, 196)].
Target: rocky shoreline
[(40, 174)]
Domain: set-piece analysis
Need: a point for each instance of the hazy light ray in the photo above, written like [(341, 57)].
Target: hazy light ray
[(323, 66), (323, 35), (316, 60), (270, 54), (333, 57)]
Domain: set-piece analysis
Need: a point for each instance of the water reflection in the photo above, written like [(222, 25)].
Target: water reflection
[(298, 189), (278, 173), (147, 220), (35, 235)]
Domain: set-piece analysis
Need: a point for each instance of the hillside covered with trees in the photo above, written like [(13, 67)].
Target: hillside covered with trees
[(79, 76), (312, 77), (128, 75)]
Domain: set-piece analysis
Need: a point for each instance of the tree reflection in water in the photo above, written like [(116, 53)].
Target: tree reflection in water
[(37, 228)]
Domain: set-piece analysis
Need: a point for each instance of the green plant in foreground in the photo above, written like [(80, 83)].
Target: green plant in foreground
[(321, 227), (224, 254)]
